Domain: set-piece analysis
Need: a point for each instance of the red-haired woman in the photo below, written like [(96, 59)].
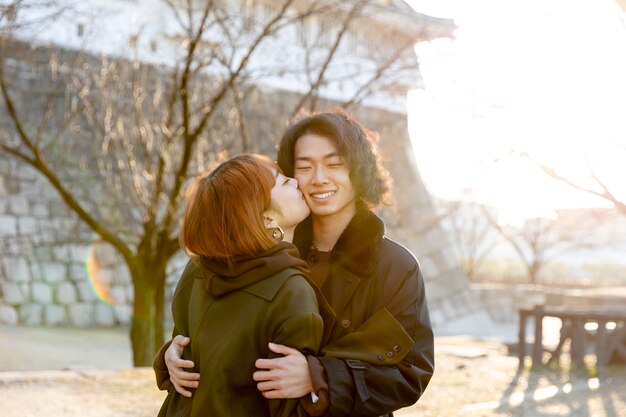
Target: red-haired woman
[(243, 288)]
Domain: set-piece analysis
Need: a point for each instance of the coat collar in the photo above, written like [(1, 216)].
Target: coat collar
[(221, 278), (357, 247)]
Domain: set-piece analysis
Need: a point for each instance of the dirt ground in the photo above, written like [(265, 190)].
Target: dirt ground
[(54, 373)]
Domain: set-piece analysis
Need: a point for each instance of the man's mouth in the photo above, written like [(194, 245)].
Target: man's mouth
[(322, 196)]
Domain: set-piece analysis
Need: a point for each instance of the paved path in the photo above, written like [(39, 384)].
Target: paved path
[(67, 373), (36, 348)]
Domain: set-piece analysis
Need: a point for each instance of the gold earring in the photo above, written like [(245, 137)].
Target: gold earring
[(278, 234)]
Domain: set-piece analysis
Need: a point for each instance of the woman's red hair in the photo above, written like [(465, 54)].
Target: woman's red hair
[(224, 216)]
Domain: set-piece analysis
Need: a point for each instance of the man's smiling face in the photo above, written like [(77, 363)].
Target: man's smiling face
[(324, 177)]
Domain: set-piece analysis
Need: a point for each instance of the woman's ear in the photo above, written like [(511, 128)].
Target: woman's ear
[(269, 222)]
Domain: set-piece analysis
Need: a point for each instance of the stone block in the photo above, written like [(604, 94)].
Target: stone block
[(86, 292), (60, 253), (20, 246), (11, 185), (65, 225), (30, 314), (66, 293), (120, 275), (46, 234), (8, 225), (27, 226), (42, 253), (78, 273), (12, 293), (39, 210), (27, 172), (105, 255), (58, 208), (54, 315), (81, 315), (78, 253), (118, 295), (51, 272), (41, 293), (18, 205), (8, 315), (123, 314), (104, 315), (16, 269)]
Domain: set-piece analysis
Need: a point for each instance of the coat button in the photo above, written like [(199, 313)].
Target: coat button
[(345, 323), (389, 354), (396, 348), (381, 357)]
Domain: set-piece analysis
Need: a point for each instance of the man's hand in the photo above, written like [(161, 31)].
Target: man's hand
[(180, 378), (284, 377)]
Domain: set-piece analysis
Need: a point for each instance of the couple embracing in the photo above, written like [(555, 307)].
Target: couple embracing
[(294, 303)]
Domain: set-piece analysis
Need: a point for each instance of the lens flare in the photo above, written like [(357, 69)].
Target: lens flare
[(100, 282)]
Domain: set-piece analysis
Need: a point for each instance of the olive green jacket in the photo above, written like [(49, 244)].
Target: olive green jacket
[(230, 332)]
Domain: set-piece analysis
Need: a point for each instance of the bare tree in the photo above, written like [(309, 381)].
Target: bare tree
[(472, 234), (119, 139), (540, 241)]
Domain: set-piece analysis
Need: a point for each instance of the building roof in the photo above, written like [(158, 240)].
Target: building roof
[(419, 25)]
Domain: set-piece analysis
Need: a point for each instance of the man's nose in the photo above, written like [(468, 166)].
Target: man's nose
[(319, 176)]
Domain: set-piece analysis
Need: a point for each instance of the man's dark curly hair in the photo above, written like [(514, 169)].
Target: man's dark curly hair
[(355, 144)]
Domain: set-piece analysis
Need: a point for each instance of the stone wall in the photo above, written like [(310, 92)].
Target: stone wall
[(54, 272)]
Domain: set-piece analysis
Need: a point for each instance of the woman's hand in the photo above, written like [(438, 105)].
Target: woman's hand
[(180, 378), (284, 377)]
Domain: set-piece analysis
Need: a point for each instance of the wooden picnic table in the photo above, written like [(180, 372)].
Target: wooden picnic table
[(610, 336)]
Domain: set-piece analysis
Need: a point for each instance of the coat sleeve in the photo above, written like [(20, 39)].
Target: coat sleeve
[(359, 387), (295, 323), (180, 301)]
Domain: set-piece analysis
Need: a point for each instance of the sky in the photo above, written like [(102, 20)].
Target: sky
[(545, 77)]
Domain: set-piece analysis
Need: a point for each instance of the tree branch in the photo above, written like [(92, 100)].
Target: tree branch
[(37, 162)]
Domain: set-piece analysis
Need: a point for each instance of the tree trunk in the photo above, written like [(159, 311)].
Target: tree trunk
[(533, 272), (142, 328), (146, 331)]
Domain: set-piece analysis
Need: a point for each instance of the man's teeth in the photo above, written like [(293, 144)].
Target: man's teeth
[(323, 195)]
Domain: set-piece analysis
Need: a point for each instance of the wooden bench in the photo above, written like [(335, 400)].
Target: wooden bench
[(610, 341)]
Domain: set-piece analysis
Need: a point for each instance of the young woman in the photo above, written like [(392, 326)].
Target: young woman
[(243, 288)]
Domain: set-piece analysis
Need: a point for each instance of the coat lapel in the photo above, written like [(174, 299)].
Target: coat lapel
[(340, 287)]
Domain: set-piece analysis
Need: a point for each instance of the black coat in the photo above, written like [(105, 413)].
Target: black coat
[(376, 291)]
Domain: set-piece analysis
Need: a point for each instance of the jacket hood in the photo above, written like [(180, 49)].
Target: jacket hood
[(357, 247), (221, 278)]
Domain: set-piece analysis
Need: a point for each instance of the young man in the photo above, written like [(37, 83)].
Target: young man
[(378, 351)]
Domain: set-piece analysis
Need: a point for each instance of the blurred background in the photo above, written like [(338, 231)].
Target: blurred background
[(501, 123)]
